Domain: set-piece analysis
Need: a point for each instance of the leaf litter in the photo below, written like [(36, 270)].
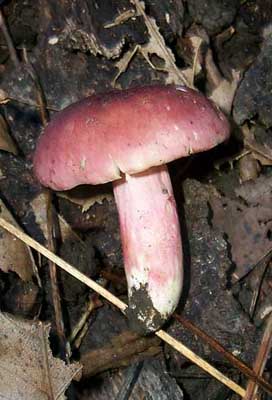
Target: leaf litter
[(14, 255), (28, 369), (247, 222), (240, 209)]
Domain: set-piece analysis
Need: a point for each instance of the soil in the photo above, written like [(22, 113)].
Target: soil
[(67, 50)]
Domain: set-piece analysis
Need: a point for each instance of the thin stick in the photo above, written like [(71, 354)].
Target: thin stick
[(62, 264), (11, 48), (47, 375), (63, 344), (6, 99), (64, 347), (200, 362), (120, 304), (41, 102), (261, 359), (93, 303), (160, 42), (221, 350)]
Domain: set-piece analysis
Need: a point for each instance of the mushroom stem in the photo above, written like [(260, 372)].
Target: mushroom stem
[(151, 244)]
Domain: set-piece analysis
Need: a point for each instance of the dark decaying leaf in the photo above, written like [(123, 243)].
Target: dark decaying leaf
[(151, 380), (247, 223), (254, 94)]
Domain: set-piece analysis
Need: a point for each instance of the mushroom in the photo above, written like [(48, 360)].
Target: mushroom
[(128, 137)]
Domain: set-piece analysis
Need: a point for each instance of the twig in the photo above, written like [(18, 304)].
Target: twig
[(123, 64), (121, 18), (12, 51), (181, 348), (123, 349), (195, 62), (258, 148), (258, 288), (122, 306), (46, 363), (214, 76), (39, 90), (130, 381), (64, 345), (160, 41), (260, 263), (78, 340), (93, 303), (63, 264), (221, 350), (261, 359), (4, 99)]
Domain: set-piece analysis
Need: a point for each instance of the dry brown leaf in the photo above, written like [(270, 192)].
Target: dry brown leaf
[(249, 168), (223, 37), (39, 207), (15, 255), (3, 97), (221, 91), (28, 369), (261, 152), (224, 93), (6, 141), (86, 196), (196, 43), (191, 48)]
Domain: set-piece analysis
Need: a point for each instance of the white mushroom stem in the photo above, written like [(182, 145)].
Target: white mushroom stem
[(151, 242)]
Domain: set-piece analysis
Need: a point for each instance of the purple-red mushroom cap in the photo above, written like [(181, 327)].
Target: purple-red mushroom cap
[(127, 137), (97, 139)]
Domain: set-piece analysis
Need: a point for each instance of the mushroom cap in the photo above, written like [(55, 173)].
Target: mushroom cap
[(96, 139)]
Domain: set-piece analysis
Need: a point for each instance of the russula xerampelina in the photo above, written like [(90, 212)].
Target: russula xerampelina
[(128, 137)]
